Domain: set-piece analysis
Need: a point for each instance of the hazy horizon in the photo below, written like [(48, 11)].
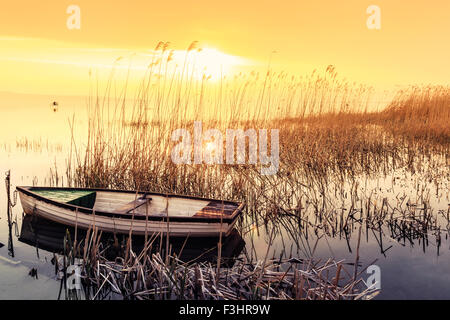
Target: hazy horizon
[(39, 54)]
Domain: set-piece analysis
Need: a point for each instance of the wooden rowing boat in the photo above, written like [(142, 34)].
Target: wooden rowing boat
[(119, 211)]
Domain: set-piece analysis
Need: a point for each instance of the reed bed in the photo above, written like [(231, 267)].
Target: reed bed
[(327, 130), (335, 148), (37, 145), (159, 276), (421, 112), (331, 142)]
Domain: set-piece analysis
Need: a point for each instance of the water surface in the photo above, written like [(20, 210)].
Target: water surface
[(35, 142)]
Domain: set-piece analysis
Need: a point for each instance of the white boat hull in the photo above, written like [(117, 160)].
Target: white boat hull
[(73, 218)]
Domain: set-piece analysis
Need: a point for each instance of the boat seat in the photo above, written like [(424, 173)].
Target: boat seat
[(129, 207)]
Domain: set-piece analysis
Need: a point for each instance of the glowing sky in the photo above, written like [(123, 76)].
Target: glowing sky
[(39, 54)]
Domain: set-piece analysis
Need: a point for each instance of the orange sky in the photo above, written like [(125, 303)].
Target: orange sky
[(39, 54)]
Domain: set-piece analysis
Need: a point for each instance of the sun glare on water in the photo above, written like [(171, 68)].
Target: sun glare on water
[(210, 147)]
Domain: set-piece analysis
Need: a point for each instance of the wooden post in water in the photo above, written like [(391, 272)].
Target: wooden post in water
[(9, 213)]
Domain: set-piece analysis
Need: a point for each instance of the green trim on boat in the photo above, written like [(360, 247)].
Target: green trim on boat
[(81, 198)]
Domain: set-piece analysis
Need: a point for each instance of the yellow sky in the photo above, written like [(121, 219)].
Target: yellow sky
[(39, 54)]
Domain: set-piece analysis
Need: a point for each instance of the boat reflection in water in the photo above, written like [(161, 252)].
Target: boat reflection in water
[(48, 235)]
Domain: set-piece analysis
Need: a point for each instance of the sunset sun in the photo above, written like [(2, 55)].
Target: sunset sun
[(217, 64)]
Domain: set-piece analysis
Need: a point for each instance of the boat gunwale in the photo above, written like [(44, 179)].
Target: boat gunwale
[(225, 219)]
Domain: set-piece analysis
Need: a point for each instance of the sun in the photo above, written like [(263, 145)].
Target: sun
[(215, 64), (205, 63)]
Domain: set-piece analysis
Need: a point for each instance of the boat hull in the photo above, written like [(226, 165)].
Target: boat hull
[(74, 218)]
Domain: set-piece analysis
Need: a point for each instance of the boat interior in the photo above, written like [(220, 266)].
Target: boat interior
[(139, 203)]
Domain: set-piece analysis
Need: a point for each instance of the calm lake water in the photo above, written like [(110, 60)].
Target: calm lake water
[(410, 270)]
